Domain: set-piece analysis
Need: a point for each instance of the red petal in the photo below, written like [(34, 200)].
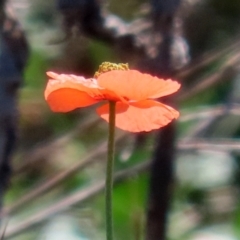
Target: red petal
[(74, 82), (67, 99), (65, 93), (140, 116), (134, 85)]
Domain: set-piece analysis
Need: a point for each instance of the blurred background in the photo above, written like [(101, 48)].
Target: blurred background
[(179, 183)]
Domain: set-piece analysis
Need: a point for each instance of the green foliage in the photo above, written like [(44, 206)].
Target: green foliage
[(35, 72), (100, 52), (129, 207), (236, 221), (125, 8)]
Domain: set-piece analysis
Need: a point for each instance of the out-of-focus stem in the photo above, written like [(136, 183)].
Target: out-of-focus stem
[(109, 173)]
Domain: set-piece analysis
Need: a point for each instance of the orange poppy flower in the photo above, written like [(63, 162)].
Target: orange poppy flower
[(132, 91)]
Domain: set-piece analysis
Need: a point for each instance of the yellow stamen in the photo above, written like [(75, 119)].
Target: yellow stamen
[(107, 66)]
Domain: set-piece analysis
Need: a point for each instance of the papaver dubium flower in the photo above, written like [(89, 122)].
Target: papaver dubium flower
[(133, 92)]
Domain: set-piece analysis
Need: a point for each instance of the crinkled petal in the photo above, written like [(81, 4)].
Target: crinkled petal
[(58, 81), (140, 116), (65, 93), (90, 86), (133, 85)]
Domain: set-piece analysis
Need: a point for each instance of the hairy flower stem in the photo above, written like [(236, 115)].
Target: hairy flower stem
[(109, 173)]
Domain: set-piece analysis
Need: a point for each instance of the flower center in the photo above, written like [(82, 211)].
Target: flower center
[(107, 67)]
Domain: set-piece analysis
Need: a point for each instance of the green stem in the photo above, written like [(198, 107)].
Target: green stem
[(109, 174)]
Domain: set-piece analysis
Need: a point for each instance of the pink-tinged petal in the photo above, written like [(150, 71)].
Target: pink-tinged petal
[(133, 85), (90, 86), (65, 93), (140, 116)]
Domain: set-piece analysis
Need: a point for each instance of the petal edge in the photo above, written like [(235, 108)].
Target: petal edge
[(140, 116)]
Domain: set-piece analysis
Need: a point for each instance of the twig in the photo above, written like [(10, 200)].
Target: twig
[(224, 145), (91, 158), (46, 147), (210, 80), (74, 199), (59, 178), (207, 116), (4, 231), (208, 58), (206, 112), (43, 149)]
